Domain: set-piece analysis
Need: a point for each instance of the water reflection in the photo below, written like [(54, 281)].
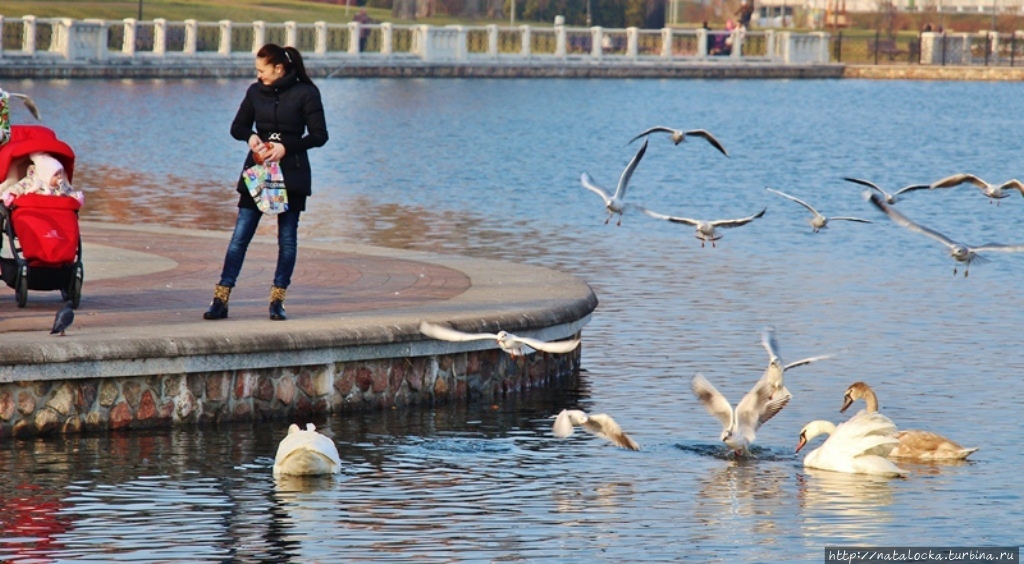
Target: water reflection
[(851, 507)]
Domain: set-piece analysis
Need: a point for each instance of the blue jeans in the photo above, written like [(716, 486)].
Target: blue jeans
[(287, 246)]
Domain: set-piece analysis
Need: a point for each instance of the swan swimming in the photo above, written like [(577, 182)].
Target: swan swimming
[(922, 445), (306, 453), (857, 446)]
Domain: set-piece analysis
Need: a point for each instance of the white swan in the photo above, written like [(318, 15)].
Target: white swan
[(306, 453), (615, 203), (857, 446), (922, 445), (740, 425), (512, 344), (597, 424), (707, 230), (678, 136), (817, 221)]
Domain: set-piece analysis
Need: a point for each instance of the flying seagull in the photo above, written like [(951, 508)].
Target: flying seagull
[(678, 136), (29, 103), (818, 221), (597, 424), (64, 318), (513, 345), (706, 230), (889, 198), (961, 252), (740, 425), (776, 369), (994, 192), (615, 203)]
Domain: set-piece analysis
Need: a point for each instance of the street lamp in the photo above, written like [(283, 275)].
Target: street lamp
[(588, 13), (140, 10)]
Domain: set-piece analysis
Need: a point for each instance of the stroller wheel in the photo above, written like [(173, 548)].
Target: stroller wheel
[(21, 286), (74, 292)]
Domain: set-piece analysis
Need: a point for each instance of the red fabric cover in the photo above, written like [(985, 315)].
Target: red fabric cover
[(47, 228), (28, 139)]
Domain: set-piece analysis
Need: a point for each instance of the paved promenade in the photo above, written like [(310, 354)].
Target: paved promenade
[(146, 288)]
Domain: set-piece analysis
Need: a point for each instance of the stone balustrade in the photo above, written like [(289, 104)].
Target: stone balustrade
[(65, 40)]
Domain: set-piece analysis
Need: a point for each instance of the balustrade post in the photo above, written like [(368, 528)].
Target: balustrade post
[(786, 40), (353, 38), (769, 43), (321, 38), (560, 42), (737, 43), (28, 39), (666, 42), (224, 44), (525, 35), (461, 47), (702, 42), (492, 40), (632, 42), (823, 39), (129, 37), (596, 36), (159, 37), (387, 35), (62, 39), (291, 34), (259, 35), (191, 30), (425, 51)]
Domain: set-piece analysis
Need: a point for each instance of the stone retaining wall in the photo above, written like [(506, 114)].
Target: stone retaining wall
[(102, 404), (933, 72)]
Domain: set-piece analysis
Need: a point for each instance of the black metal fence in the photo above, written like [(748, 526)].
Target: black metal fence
[(972, 49)]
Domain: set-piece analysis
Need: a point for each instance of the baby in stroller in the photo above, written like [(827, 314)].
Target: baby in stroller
[(45, 175)]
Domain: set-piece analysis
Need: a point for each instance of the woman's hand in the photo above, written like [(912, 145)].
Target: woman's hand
[(255, 143), (274, 153)]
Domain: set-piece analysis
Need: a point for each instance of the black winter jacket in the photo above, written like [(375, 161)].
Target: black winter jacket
[(288, 112)]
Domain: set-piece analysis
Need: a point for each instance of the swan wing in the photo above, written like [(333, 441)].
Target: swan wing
[(442, 333), (709, 138), (712, 400), (929, 446)]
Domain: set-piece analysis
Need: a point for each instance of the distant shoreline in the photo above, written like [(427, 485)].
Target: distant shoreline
[(406, 69)]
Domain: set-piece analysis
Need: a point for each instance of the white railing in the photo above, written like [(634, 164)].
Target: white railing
[(67, 39)]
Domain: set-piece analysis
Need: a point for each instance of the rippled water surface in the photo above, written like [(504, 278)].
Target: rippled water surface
[(491, 169)]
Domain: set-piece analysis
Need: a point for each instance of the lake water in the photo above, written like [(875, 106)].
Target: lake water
[(490, 168)]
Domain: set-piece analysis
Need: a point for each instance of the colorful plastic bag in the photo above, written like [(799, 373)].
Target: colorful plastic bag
[(266, 185)]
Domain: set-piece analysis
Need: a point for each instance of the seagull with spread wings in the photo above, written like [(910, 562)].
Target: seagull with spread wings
[(678, 136), (615, 203), (817, 221), (889, 198), (961, 252), (512, 344), (706, 230), (774, 374), (740, 425), (598, 424), (994, 192)]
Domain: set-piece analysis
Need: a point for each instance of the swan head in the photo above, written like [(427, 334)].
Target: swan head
[(856, 391), (813, 429)]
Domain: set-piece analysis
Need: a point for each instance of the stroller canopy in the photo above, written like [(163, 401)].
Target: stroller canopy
[(28, 139)]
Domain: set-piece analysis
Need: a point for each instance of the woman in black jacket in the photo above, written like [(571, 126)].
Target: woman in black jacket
[(281, 117)]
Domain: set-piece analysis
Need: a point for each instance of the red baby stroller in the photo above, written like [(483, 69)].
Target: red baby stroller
[(45, 244)]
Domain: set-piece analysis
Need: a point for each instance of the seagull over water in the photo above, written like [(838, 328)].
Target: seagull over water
[(994, 192), (889, 198), (740, 425), (615, 203), (64, 318), (818, 221), (706, 230), (29, 103), (513, 345), (678, 136), (597, 424), (776, 369), (961, 252)]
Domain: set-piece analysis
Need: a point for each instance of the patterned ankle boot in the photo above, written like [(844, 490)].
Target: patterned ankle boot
[(219, 306), (277, 303)]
